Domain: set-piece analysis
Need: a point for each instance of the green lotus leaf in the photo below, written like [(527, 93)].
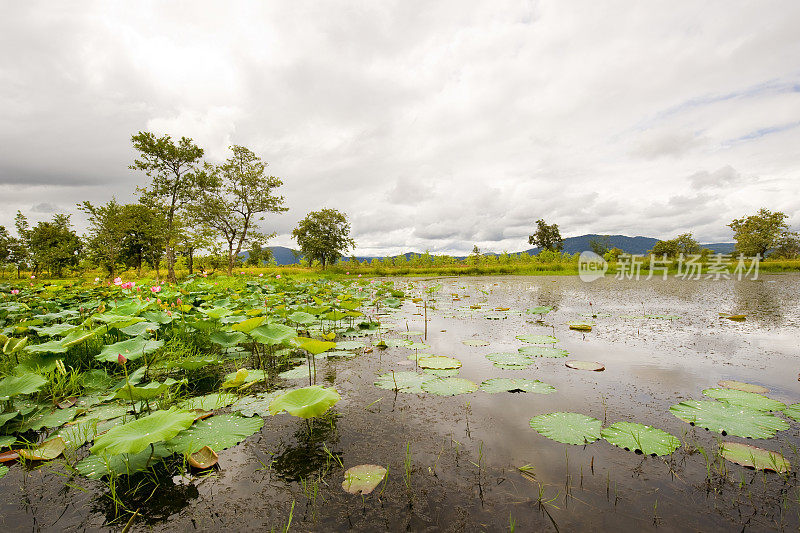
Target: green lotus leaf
[(363, 479), (273, 334), (729, 419), (132, 307), (569, 428), (3, 471), (14, 345), (249, 325), (96, 380), (750, 400), (409, 382), (438, 362), (48, 418), (537, 339), (752, 457), (46, 451), (216, 312), (449, 386), (297, 372), (300, 317), (55, 346), (144, 392), (5, 417), (135, 436), (510, 360), (108, 411), (409, 333), (441, 372), (640, 438), (543, 351), (793, 412), (250, 376), (209, 402), (78, 336), (307, 402), (237, 380), (516, 385), (418, 346), (7, 441), (475, 342), (227, 339), (24, 384), (256, 405), (217, 432), (585, 365), (140, 328), (350, 345), (335, 316), (114, 320), (97, 466), (746, 387), (314, 346), (540, 310), (131, 349), (195, 363), (396, 343)]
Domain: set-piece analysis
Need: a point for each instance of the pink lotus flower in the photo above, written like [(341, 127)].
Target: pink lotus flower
[(155, 288), (128, 285), (121, 359), (33, 277), (14, 291), (96, 280), (169, 313), (359, 275), (261, 275), (178, 302), (278, 276), (117, 281), (347, 273)]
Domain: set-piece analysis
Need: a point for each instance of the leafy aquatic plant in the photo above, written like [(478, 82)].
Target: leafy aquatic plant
[(363, 479), (729, 419), (449, 386), (569, 428), (516, 385), (640, 438), (306, 402), (753, 457), (135, 436)]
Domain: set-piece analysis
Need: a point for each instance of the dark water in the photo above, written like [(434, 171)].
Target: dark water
[(465, 450)]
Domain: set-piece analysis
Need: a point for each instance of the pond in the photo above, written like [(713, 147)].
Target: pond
[(471, 461)]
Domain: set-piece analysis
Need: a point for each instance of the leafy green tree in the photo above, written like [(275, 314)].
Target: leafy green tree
[(757, 234), (5, 244), (547, 237), (107, 229), (238, 194), (53, 245), (258, 254), (600, 244), (788, 246), (682, 244), (324, 236), (145, 236), (176, 180)]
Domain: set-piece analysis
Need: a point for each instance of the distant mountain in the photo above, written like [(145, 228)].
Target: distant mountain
[(631, 245)]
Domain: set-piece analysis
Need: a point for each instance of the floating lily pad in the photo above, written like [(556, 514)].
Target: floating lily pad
[(252, 375), (350, 345), (418, 346), (510, 360), (580, 326), (298, 372), (569, 428), (752, 457), (793, 411), (537, 339), (585, 365), (140, 328), (729, 419), (409, 382), (640, 438), (449, 386), (363, 478), (441, 372), (3, 471), (256, 405), (745, 399), (97, 466), (227, 339), (409, 333), (48, 418), (396, 343), (46, 451), (543, 351), (307, 402), (746, 387), (219, 432), (209, 402), (203, 458), (6, 441), (135, 436), (131, 349), (516, 385), (475, 342), (25, 384), (438, 362)]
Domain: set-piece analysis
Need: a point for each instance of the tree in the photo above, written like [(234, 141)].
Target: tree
[(145, 238), (258, 254), (682, 244), (323, 236), (53, 245), (547, 237), (788, 246), (239, 192), (600, 244), (107, 229), (758, 233), (176, 179)]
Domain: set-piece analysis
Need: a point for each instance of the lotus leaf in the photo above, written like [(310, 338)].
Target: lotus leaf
[(740, 398), (97, 466), (47, 347), (46, 451), (585, 365), (273, 334), (396, 343), (752, 457), (3, 471), (246, 326), (195, 363), (113, 320), (7, 441), (438, 362), (145, 392), (441, 372), (24, 384), (307, 402), (300, 317), (56, 330), (449, 386), (203, 458), (537, 339), (209, 402), (350, 345), (298, 372), (516, 385), (314, 346), (475, 342), (252, 375), (256, 405), (543, 351), (569, 428), (409, 382), (219, 432), (510, 360), (793, 411), (640, 438), (132, 349), (227, 339), (237, 380), (746, 387), (216, 312), (540, 310), (78, 336), (48, 418), (140, 328), (363, 478), (729, 419), (135, 436)]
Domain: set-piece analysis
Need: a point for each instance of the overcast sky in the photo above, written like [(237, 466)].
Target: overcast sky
[(433, 125)]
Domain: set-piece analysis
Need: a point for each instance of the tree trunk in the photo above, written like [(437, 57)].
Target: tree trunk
[(190, 260), (171, 265)]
